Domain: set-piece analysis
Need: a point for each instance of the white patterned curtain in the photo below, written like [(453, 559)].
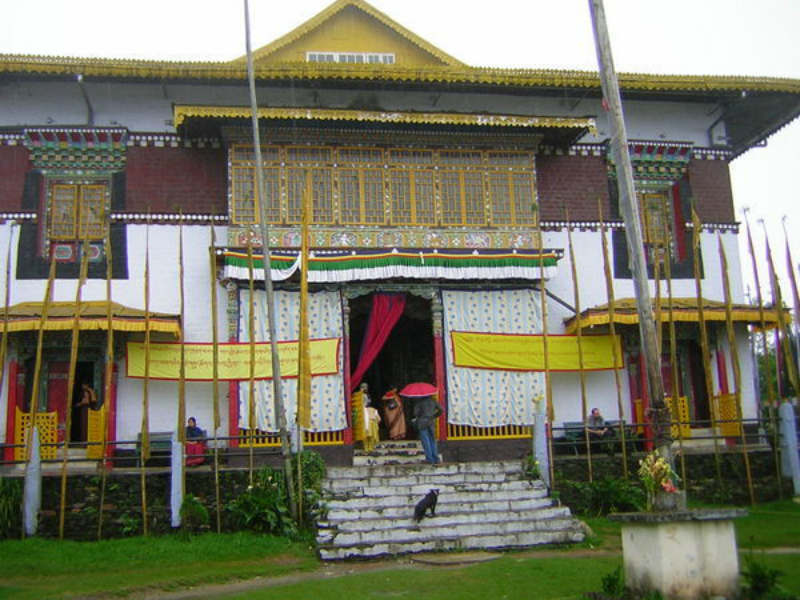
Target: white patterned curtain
[(482, 397), (327, 391)]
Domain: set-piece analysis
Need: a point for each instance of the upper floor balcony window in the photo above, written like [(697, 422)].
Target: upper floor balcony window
[(385, 186)]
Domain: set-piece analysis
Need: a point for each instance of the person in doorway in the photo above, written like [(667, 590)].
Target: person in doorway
[(599, 433), (426, 410), (195, 443), (393, 416), (371, 421), (88, 397)]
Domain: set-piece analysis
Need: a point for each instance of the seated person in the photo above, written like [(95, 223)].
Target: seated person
[(598, 430), (195, 443)]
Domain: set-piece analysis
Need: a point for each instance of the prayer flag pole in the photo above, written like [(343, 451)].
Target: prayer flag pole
[(215, 370), (581, 371), (697, 227), (737, 375), (633, 230), (73, 360), (144, 452), (612, 330), (107, 375), (765, 348), (277, 394)]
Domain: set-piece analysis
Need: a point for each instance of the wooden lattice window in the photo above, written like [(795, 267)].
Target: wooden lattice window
[(77, 212), (462, 198), (655, 217), (314, 182), (361, 196)]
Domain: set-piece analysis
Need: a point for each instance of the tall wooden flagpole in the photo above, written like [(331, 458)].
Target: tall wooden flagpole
[(765, 347), (548, 384), (612, 330), (579, 340), (633, 229), (107, 377), (277, 395), (215, 371)]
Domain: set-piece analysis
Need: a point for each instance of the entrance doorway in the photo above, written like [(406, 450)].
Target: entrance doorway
[(407, 356)]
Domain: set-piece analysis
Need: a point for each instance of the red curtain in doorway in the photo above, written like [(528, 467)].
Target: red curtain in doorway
[(386, 310)]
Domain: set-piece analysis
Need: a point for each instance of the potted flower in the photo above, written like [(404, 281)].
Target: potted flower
[(659, 481)]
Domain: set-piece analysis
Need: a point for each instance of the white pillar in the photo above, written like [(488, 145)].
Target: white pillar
[(176, 481), (32, 496)]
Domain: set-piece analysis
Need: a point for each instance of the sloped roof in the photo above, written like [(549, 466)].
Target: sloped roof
[(330, 13)]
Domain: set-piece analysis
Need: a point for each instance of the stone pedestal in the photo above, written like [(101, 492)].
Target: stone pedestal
[(684, 554)]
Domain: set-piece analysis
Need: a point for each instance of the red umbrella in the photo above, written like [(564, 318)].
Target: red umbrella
[(418, 390)]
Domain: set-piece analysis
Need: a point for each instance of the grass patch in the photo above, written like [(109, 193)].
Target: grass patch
[(770, 525), (507, 577), (36, 568)]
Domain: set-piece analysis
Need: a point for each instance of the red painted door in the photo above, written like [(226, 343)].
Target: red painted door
[(58, 397)]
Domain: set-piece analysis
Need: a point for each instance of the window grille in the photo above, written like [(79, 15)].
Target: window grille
[(655, 218), (77, 212), (395, 186), (385, 58)]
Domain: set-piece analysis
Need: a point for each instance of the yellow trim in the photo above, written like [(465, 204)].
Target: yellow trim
[(26, 316), (501, 432), (181, 113), (555, 78), (263, 439), (684, 310)]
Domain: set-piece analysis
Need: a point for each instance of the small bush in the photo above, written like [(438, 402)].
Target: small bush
[(10, 507), (194, 516), (263, 506), (761, 582), (530, 468), (603, 496)]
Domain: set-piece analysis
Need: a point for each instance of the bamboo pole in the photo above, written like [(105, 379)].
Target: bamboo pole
[(578, 333), (280, 416), (737, 375), (107, 378), (612, 329), (777, 300), (673, 340), (633, 227), (790, 268), (704, 346), (251, 331), (6, 302), (73, 360), (215, 371), (145, 449), (548, 384), (304, 354), (765, 345), (181, 426)]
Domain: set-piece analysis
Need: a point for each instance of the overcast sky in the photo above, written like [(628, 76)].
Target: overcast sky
[(693, 37)]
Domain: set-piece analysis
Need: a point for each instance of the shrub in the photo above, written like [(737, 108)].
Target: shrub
[(603, 496), (530, 468), (761, 582), (10, 507), (263, 506), (194, 516)]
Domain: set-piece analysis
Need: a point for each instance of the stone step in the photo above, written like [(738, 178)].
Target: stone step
[(413, 479), (346, 512), (509, 467), (393, 497), (409, 531), (392, 459), (522, 519), (420, 489), (524, 539)]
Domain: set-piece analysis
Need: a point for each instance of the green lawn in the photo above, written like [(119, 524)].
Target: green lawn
[(38, 568)]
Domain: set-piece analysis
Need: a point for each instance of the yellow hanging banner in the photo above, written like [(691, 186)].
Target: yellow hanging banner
[(233, 362), (520, 352)]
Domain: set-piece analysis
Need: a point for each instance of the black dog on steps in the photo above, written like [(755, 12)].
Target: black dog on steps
[(427, 503)]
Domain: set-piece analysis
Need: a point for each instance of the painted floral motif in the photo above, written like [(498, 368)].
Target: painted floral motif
[(291, 239), (477, 240), (343, 239), (486, 398), (327, 391)]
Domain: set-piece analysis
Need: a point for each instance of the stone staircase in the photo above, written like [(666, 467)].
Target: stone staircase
[(481, 505)]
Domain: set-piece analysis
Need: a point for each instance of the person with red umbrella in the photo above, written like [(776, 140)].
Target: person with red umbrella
[(426, 409)]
